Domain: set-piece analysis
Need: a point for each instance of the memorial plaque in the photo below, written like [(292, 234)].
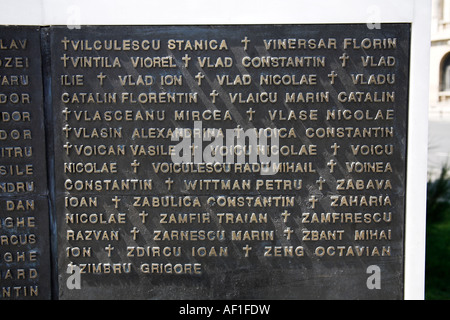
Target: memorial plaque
[(24, 211), (230, 162)]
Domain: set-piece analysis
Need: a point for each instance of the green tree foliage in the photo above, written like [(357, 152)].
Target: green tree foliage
[(438, 197), (437, 277)]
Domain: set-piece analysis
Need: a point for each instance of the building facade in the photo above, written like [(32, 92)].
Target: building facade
[(440, 59)]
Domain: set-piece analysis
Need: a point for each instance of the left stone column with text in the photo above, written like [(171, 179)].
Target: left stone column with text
[(25, 269)]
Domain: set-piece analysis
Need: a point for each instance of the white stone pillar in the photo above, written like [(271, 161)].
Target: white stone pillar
[(446, 11)]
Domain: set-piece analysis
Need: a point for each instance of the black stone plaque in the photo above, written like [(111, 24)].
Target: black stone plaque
[(24, 211), (140, 218)]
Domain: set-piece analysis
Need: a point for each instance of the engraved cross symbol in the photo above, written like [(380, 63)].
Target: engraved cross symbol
[(135, 231), (109, 248), (169, 183), (66, 112), (101, 77), (116, 201), (199, 78), (320, 182), (65, 42), (214, 94), (67, 129), (67, 146), (332, 164), (313, 200), (332, 76), (285, 215), (186, 60), (287, 233), (344, 58), (245, 41), (250, 113), (335, 147), (64, 59), (247, 248), (135, 165), (143, 215)]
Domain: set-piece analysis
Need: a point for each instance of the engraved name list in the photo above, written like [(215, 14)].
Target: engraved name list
[(136, 223)]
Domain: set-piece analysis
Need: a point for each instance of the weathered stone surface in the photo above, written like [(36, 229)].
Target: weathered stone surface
[(25, 267), (137, 218)]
